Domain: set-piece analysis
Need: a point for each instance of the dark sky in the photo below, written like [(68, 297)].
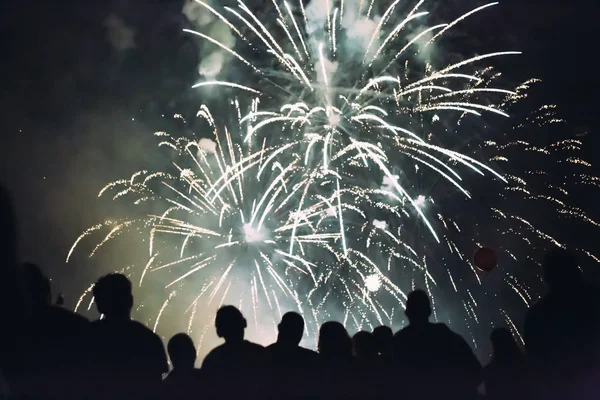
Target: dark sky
[(67, 99)]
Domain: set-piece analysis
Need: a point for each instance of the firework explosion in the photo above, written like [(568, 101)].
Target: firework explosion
[(343, 180)]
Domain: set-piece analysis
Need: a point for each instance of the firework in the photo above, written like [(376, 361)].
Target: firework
[(346, 181)]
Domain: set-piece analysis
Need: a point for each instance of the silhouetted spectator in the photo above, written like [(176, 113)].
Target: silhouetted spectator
[(286, 352), (384, 342), (384, 346), (289, 361), (562, 331), (363, 347), (236, 360), (338, 376), (182, 353), (53, 341), (436, 361), (128, 359), (505, 376), (235, 353), (369, 366), (335, 345), (184, 381)]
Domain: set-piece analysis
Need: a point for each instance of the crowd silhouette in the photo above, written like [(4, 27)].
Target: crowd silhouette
[(48, 352)]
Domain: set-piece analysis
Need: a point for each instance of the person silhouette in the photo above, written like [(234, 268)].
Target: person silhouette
[(436, 361), (184, 379), (384, 370), (335, 345), (235, 353), (237, 359), (562, 331), (128, 359), (384, 342), (338, 376), (363, 347), (53, 340), (369, 366), (286, 351), (288, 360), (505, 376), (182, 353)]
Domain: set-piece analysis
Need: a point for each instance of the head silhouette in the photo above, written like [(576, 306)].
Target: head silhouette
[(384, 337), (561, 269), (334, 341), (36, 285), (363, 345), (418, 308), (113, 296), (182, 352), (291, 328), (504, 345), (230, 323)]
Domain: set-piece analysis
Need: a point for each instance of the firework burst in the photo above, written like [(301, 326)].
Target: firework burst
[(345, 182)]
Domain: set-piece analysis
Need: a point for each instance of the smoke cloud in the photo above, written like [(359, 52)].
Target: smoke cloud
[(388, 184), (359, 27), (120, 36), (212, 58), (208, 145), (330, 68), (380, 224)]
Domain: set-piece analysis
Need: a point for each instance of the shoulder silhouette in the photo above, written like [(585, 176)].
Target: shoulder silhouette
[(432, 356), (127, 357)]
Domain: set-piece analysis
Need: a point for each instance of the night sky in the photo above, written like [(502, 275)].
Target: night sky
[(77, 111)]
